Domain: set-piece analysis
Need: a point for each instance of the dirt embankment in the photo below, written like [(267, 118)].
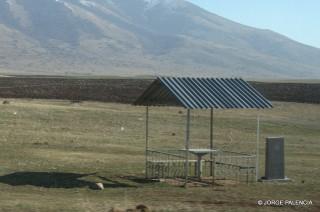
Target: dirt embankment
[(290, 92), (127, 90)]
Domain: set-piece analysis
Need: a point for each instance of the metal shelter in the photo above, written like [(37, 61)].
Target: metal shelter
[(200, 93)]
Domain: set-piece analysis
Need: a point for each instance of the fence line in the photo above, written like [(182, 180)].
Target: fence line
[(227, 165)]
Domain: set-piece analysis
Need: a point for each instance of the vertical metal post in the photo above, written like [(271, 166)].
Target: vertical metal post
[(211, 141), (187, 148), (147, 141), (258, 146)]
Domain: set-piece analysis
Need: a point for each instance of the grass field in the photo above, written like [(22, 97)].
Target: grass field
[(53, 151)]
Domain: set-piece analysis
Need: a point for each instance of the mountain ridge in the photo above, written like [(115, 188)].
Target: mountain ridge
[(142, 37)]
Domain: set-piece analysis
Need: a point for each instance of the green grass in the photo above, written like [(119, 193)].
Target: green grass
[(53, 151)]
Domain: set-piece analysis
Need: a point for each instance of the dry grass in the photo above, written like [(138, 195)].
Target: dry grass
[(52, 151)]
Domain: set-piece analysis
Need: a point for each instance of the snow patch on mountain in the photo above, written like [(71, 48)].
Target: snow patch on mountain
[(170, 4), (88, 3), (67, 5)]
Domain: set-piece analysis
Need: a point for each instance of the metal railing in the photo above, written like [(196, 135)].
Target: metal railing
[(232, 166), (225, 165), (167, 164)]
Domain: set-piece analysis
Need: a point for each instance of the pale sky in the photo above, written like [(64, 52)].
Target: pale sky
[(297, 19)]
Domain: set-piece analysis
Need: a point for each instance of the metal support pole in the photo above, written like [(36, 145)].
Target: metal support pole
[(211, 141), (147, 141), (187, 148), (258, 146)]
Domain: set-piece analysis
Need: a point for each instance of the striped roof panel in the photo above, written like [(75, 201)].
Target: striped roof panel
[(203, 93)]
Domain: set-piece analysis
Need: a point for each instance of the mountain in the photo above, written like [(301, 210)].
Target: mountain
[(142, 37)]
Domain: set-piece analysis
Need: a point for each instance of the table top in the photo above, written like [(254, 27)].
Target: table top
[(201, 151)]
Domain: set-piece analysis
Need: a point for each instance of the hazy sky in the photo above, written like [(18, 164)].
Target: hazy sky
[(297, 19)]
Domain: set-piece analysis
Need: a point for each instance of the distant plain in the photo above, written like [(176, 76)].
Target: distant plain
[(52, 151)]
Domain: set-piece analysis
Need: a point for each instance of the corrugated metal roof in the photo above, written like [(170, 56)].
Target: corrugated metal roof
[(202, 93)]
